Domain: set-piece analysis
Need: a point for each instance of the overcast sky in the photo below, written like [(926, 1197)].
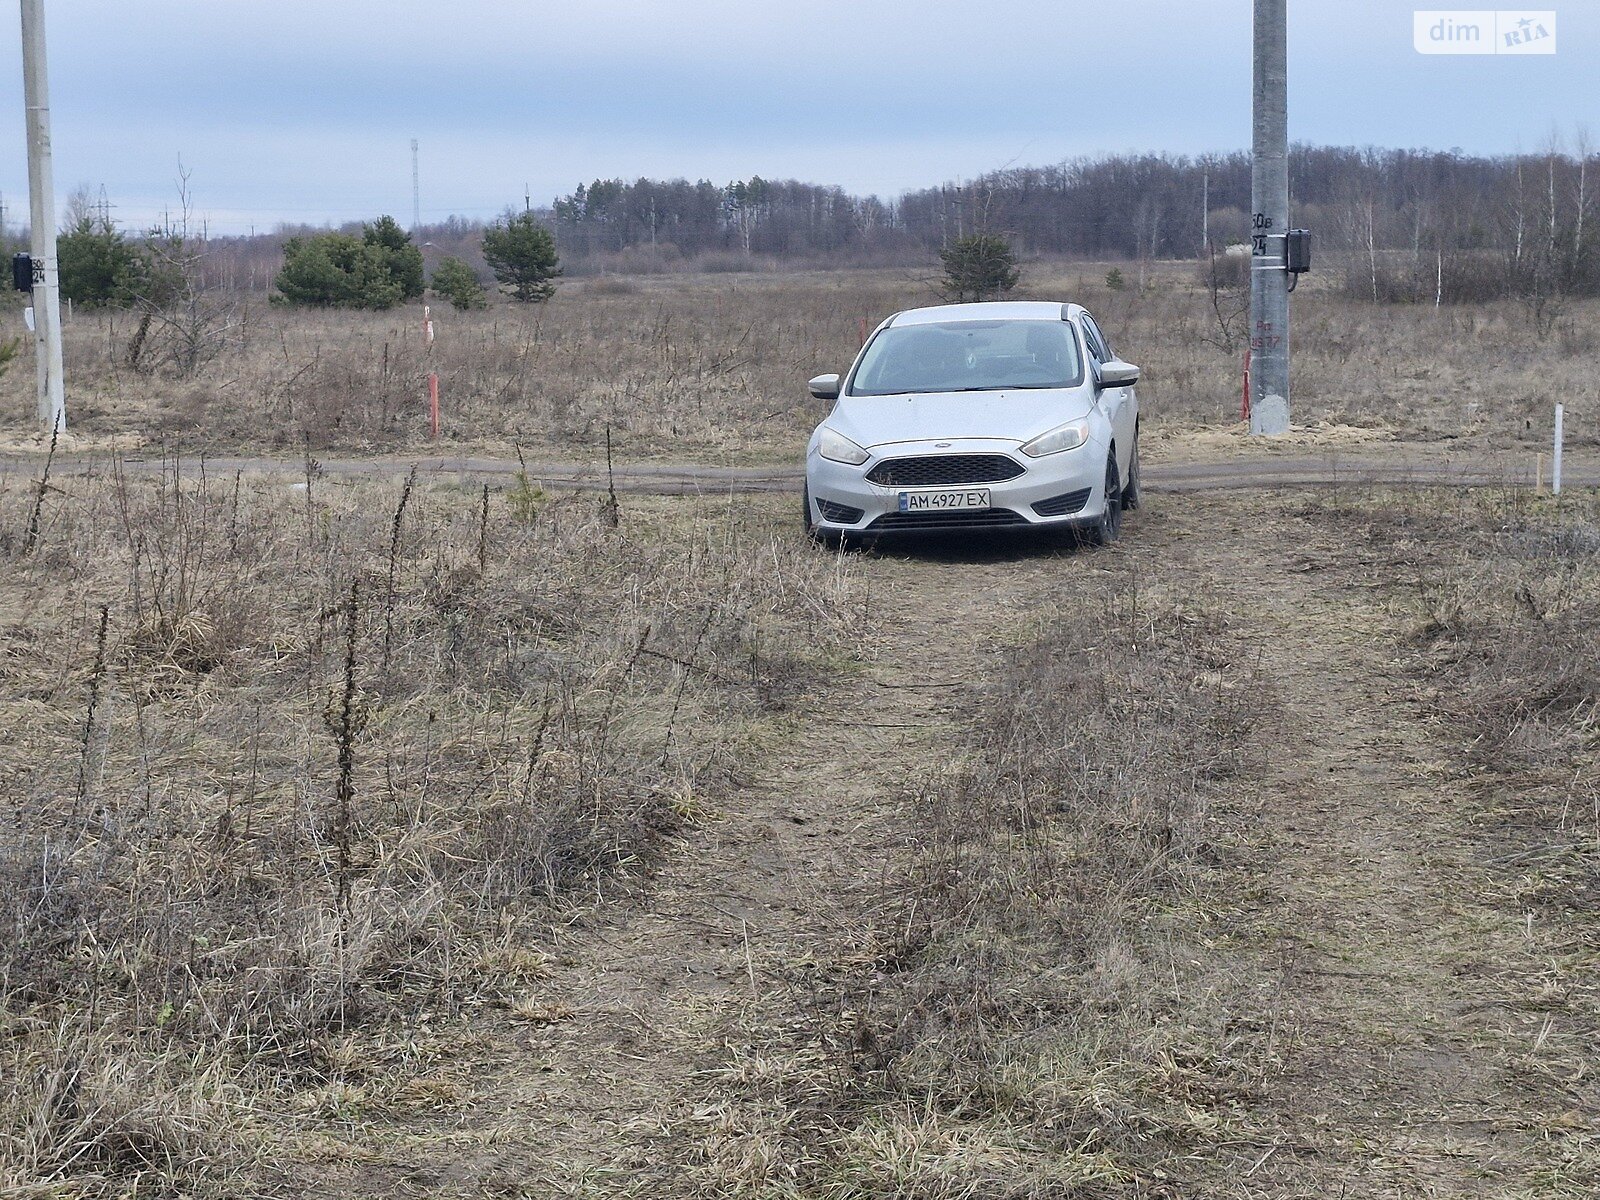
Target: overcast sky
[(304, 110)]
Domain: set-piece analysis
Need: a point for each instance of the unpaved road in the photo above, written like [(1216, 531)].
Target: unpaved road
[(1374, 923), (1435, 465)]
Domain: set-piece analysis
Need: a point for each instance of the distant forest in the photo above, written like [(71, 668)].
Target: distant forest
[(1118, 207), (1447, 215)]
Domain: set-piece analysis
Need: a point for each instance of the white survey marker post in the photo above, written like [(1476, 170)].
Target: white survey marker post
[(1555, 453), (1269, 222), (42, 214)]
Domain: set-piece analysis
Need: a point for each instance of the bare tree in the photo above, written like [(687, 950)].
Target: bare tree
[(185, 320), (1229, 304), (1584, 151)]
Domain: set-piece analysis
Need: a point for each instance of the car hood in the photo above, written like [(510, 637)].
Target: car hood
[(1019, 416)]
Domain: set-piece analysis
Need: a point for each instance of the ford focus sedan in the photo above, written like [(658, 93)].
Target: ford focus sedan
[(1009, 416)]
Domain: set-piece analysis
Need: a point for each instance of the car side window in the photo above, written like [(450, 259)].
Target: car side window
[(1098, 346)]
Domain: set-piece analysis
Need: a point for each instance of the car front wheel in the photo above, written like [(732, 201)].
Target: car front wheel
[(1132, 495), (1104, 531)]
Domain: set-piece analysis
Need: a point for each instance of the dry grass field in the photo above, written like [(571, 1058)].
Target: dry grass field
[(711, 368), (680, 859), (404, 837), (292, 775)]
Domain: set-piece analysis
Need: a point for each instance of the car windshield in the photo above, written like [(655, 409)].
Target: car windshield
[(969, 356)]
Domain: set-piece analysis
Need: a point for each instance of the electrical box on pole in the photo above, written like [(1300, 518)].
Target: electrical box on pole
[(1297, 253), (1269, 222)]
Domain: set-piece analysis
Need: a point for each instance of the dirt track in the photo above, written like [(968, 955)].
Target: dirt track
[(1399, 465), (1372, 933), (1391, 959)]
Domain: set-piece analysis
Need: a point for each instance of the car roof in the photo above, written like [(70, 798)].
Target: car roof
[(994, 310)]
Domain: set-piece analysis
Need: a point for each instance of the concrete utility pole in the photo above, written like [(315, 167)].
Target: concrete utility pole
[(1269, 223), (42, 194)]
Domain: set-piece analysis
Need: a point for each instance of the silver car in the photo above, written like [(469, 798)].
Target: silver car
[(1003, 416)]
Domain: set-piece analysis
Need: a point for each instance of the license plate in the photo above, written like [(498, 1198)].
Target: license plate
[(944, 500)]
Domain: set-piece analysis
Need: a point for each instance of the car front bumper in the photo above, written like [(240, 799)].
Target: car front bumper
[(1059, 491)]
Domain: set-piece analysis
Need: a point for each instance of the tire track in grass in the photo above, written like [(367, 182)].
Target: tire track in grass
[(598, 1088), (1372, 924), (1380, 919)]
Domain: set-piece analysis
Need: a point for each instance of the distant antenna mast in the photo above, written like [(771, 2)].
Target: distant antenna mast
[(416, 190)]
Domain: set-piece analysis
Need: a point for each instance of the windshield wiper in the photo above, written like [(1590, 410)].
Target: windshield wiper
[(1010, 387), (986, 387)]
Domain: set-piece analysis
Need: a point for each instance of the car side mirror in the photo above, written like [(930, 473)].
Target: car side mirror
[(824, 387), (1117, 373)]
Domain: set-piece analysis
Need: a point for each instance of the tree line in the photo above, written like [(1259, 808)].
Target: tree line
[(1395, 225), (1404, 224)]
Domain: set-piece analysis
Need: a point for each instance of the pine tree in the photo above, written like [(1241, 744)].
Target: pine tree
[(980, 266), (522, 254), (378, 270), (459, 284), (97, 266)]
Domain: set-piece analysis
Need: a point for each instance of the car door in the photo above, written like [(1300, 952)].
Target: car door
[(1120, 404)]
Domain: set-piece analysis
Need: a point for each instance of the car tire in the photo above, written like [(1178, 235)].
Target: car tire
[(810, 524), (1105, 530), (1132, 496)]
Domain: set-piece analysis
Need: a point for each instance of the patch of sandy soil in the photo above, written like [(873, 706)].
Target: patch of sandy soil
[(1161, 443), (31, 444)]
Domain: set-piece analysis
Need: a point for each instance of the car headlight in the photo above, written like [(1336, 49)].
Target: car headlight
[(1068, 437), (838, 448)]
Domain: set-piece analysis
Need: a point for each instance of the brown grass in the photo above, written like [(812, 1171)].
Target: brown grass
[(1142, 946), (711, 368), (339, 753), (1501, 591), (1506, 590)]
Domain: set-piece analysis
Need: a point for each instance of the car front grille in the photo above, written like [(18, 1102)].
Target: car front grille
[(838, 514), (1063, 505), (937, 470), (939, 522)]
